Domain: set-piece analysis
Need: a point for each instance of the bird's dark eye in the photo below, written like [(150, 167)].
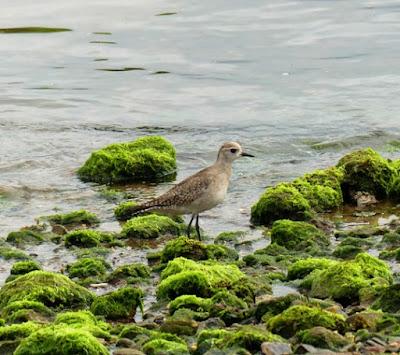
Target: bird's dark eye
[(233, 150)]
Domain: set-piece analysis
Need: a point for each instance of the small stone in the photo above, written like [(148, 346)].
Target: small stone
[(126, 343), (275, 348), (59, 229), (127, 351)]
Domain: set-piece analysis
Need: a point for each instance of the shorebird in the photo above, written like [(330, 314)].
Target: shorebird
[(199, 192)]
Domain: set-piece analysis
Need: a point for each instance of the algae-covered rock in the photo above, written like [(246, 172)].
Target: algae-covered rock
[(192, 302), (150, 227), (23, 311), (84, 320), (321, 337), (365, 170), (18, 331), (347, 251), (61, 340), (150, 158), (346, 281), (132, 273), (301, 317), (276, 305), (187, 277), (185, 247), (182, 322), (221, 253), (8, 253), (52, 289), (297, 235), (389, 299), (124, 210), (165, 347), (230, 308), (86, 238), (87, 267), (368, 319), (80, 217), (229, 237), (22, 267), (25, 236), (302, 268), (119, 304), (280, 202)]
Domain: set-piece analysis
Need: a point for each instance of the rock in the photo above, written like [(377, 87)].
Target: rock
[(276, 348), (150, 158), (364, 199), (321, 337), (74, 218), (128, 351)]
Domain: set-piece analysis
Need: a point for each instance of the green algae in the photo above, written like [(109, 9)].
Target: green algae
[(165, 347), (124, 210), (118, 305), (302, 268), (228, 307), (87, 238), (321, 337), (52, 289), (25, 236), (73, 218), (301, 317), (8, 253), (295, 235), (23, 311), (192, 302), (388, 300), (22, 267), (18, 331), (87, 267), (150, 158), (61, 340), (184, 247), (221, 253), (150, 227), (131, 273)]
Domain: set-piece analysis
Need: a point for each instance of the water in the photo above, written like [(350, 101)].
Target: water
[(282, 77)]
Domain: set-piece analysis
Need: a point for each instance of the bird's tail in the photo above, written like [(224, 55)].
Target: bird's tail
[(136, 210)]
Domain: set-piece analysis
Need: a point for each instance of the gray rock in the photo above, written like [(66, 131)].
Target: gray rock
[(275, 348)]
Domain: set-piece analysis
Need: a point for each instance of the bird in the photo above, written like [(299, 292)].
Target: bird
[(198, 192)]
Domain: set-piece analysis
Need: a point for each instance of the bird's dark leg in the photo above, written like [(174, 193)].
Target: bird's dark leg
[(189, 225), (197, 227)]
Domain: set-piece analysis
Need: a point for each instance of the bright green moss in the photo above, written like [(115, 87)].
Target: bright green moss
[(230, 308), (18, 331), (281, 201), (298, 236), (119, 304), (165, 347), (209, 338), (8, 253), (346, 280), (74, 218), (276, 305), (150, 226), (185, 247), (321, 337), (22, 311), (130, 272), (23, 267), (302, 268), (86, 238), (301, 317), (61, 340), (183, 276), (87, 267), (221, 252), (124, 210), (365, 170), (52, 289), (191, 302), (388, 300), (150, 158), (84, 320), (25, 236)]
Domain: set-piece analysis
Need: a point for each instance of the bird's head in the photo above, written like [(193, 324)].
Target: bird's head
[(231, 151)]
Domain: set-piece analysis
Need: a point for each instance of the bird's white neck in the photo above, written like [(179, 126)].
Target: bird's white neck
[(224, 164)]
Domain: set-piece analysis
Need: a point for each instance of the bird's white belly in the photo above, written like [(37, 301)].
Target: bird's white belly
[(212, 197)]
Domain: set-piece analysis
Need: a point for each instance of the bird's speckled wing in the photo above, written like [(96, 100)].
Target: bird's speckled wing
[(186, 191)]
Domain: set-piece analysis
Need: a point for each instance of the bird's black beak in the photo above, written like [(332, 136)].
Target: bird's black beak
[(246, 155)]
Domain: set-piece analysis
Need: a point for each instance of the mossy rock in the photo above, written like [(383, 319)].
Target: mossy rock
[(52, 289), (150, 158), (229, 237), (365, 170), (132, 273), (183, 276), (304, 267), (276, 305), (87, 238), (23, 311), (322, 338), (221, 253), (298, 236), (301, 317), (230, 308), (18, 331), (88, 267), (150, 227), (74, 218), (84, 320), (392, 239), (388, 300), (346, 281), (280, 202), (185, 247), (368, 319), (25, 236), (21, 268), (8, 253), (347, 251), (124, 210), (118, 305), (165, 347), (192, 302), (61, 340)]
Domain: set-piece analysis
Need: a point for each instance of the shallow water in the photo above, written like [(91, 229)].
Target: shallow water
[(299, 83)]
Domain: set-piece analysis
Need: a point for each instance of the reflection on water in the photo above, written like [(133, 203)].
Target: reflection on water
[(297, 83)]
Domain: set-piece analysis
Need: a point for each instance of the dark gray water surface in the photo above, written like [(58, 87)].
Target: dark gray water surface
[(299, 83)]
